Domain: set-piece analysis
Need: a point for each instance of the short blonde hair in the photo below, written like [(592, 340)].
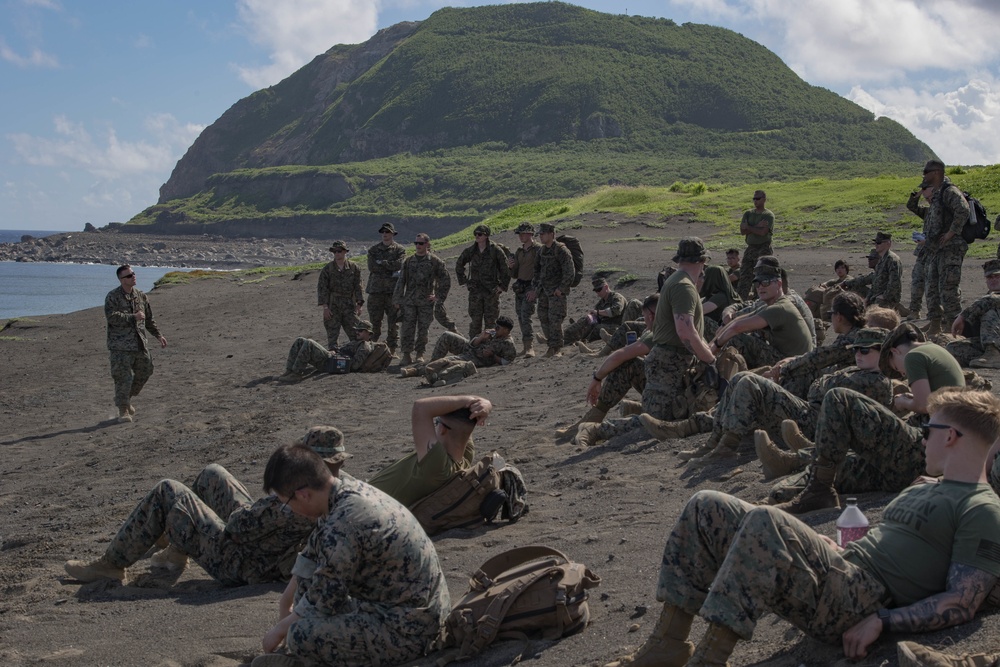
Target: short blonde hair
[(886, 318), (973, 411)]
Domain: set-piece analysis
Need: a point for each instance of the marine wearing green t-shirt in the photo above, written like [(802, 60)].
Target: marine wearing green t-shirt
[(679, 296), (408, 480), (789, 333), (935, 364)]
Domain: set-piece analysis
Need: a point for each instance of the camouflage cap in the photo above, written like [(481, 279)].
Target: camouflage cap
[(991, 268), (328, 442), (482, 229), (364, 325), (906, 330), (869, 337), (524, 228), (766, 272), (933, 165), (598, 284), (691, 249), (387, 227), (880, 237), (338, 245), (546, 228), (767, 260)]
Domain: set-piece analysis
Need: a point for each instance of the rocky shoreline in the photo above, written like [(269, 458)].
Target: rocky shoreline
[(197, 251)]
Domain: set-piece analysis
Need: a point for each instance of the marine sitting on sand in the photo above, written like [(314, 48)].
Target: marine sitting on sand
[(306, 353)]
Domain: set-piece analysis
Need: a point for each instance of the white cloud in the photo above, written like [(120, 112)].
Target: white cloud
[(35, 58), (958, 124), (295, 31)]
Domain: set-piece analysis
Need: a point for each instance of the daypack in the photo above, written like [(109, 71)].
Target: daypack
[(978, 224), (534, 588), (377, 360), (575, 249), (473, 497)]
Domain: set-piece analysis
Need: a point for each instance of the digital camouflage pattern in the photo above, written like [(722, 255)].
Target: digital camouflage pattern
[(947, 211), (731, 562), (441, 315), (340, 289), (745, 288), (487, 271), (384, 263), (585, 330), (131, 362), (918, 274), (491, 352), (378, 305), (798, 374), (130, 372), (982, 327), (887, 282), (304, 354), (256, 543), (755, 349), (629, 375), (449, 369), (522, 270), (370, 587), (420, 277), (943, 280), (554, 270)]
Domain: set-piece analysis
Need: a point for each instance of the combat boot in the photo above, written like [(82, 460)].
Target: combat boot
[(911, 654), (291, 377), (933, 328), (664, 430), (131, 409), (123, 414), (715, 647), (595, 415), (773, 461), (667, 646), (792, 435), (627, 407), (726, 450), (818, 495), (588, 435), (407, 359), (419, 359), (553, 352), (606, 336), (527, 351), (408, 371), (171, 559), (990, 358), (541, 339), (99, 569), (913, 316), (700, 450), (583, 347)]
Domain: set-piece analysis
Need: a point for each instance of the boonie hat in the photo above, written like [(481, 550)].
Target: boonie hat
[(691, 249), (868, 337), (524, 227), (766, 272), (991, 268), (338, 245), (387, 227), (767, 260), (546, 228), (328, 442), (906, 329), (598, 284), (364, 325), (481, 229), (880, 237)]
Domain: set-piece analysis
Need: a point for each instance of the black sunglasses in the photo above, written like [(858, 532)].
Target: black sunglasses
[(867, 348), (127, 275), (925, 430), (420, 243)]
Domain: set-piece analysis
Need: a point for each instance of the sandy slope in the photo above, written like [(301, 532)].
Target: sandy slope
[(70, 475)]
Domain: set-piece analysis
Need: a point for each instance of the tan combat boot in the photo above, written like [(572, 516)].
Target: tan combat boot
[(667, 646), (408, 371), (94, 571), (420, 358), (553, 352), (933, 328), (541, 339), (911, 654), (793, 437), (123, 414), (715, 647), (407, 359), (726, 450), (818, 495), (606, 336), (990, 358), (627, 407), (131, 409), (774, 462), (588, 435), (700, 450), (664, 430), (170, 558), (526, 351), (580, 345), (594, 415)]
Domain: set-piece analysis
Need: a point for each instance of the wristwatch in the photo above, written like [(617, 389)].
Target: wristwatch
[(883, 615)]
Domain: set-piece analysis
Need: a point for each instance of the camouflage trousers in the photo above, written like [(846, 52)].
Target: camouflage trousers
[(629, 375), (524, 309), (754, 402), (943, 279), (731, 562), (451, 369), (484, 309), (441, 315), (306, 353), (632, 310), (130, 371), (416, 321), (342, 317), (757, 351), (366, 636), (664, 370), (888, 452), (191, 523), (379, 305), (750, 256), (583, 329), (967, 349), (551, 313), (619, 338), (450, 343), (918, 277)]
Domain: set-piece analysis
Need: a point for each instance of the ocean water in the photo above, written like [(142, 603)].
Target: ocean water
[(47, 288)]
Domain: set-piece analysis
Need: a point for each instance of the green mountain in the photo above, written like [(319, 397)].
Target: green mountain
[(532, 101)]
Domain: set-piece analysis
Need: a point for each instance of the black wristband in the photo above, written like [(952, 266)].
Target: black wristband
[(594, 375), (884, 616)]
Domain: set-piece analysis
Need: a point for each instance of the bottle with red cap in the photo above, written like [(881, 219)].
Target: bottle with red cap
[(852, 523)]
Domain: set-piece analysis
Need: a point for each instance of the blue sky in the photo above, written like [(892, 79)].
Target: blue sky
[(102, 97)]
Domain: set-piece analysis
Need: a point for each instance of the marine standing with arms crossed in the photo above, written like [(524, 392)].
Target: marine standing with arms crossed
[(757, 226), (522, 270), (554, 272), (385, 259)]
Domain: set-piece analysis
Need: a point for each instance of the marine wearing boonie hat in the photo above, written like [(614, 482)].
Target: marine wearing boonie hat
[(482, 229), (880, 237), (364, 325), (546, 228), (524, 228), (328, 442), (338, 245), (598, 284), (869, 337), (991, 268), (387, 227), (691, 249)]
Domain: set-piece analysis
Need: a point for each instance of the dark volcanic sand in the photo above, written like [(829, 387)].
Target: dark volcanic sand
[(70, 475)]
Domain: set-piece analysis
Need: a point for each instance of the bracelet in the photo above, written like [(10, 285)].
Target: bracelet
[(594, 375)]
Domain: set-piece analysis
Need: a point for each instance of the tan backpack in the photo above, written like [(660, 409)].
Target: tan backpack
[(377, 360), (529, 589)]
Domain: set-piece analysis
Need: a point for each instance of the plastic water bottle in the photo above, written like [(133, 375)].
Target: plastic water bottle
[(852, 523)]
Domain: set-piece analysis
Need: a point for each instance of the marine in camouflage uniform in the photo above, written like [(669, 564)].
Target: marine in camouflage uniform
[(944, 217), (798, 374), (887, 282), (488, 277), (550, 286), (522, 269), (385, 259), (257, 541), (918, 278), (489, 348), (129, 316), (979, 323), (338, 292), (369, 587), (629, 375), (606, 315), (306, 353), (423, 280)]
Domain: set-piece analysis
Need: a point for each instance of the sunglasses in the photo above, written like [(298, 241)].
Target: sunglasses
[(925, 430), (867, 348), (438, 422), (480, 234), (127, 276), (290, 497), (758, 198), (420, 243), (766, 281)]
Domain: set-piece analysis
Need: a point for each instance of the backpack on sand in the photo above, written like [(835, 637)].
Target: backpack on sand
[(978, 224), (377, 360), (576, 250), (522, 590), (473, 497)]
